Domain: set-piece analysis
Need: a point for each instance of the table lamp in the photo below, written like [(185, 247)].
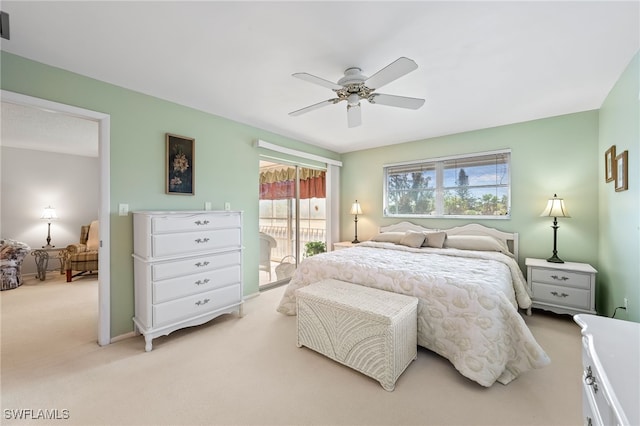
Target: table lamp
[(555, 208)]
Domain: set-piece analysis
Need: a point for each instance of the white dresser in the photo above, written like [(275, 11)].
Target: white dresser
[(611, 377), (187, 269), (563, 288)]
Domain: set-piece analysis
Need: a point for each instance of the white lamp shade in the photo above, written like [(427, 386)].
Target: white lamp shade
[(355, 208), (555, 208), (49, 213)]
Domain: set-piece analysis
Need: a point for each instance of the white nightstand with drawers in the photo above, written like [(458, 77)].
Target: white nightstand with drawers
[(343, 245), (563, 288)]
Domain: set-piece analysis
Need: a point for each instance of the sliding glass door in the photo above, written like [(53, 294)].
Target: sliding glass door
[(293, 218)]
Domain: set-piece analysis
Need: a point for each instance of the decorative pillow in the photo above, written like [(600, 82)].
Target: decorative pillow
[(93, 241), (476, 242), (388, 237), (434, 239), (412, 239)]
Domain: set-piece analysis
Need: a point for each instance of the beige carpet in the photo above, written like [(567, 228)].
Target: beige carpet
[(248, 371)]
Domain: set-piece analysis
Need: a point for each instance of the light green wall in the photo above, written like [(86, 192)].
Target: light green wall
[(619, 252), (226, 163), (554, 155)]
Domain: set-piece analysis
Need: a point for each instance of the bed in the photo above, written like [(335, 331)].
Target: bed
[(469, 288)]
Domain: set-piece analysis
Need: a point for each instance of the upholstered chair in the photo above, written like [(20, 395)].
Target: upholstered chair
[(12, 254), (82, 257)]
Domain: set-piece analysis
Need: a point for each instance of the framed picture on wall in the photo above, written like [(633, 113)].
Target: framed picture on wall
[(609, 164), (179, 165), (621, 172)]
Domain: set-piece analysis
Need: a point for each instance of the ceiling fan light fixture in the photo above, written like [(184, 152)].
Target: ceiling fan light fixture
[(353, 99)]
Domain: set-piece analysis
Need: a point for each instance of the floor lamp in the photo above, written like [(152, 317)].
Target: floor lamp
[(555, 208), (356, 210)]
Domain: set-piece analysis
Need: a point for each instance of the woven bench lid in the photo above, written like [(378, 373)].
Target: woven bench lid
[(377, 302)]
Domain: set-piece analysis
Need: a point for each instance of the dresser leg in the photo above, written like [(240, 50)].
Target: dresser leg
[(148, 346), (241, 310), (529, 311)]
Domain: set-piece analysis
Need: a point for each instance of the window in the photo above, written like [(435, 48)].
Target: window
[(461, 186)]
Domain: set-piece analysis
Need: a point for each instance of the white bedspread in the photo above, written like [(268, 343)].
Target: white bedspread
[(467, 302)]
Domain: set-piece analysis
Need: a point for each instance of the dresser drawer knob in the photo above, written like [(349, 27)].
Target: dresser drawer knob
[(201, 264), (201, 222), (555, 293), (202, 282), (201, 240), (557, 278), (202, 302), (590, 379)]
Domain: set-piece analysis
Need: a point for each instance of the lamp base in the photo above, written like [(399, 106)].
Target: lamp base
[(355, 241), (555, 259)]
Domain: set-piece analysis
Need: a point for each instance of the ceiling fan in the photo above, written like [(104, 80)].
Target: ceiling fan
[(355, 86)]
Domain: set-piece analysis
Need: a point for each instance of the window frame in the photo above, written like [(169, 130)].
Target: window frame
[(438, 164)]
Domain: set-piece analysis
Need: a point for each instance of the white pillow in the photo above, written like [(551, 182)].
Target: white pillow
[(388, 237), (476, 242), (93, 241), (434, 239), (412, 239)]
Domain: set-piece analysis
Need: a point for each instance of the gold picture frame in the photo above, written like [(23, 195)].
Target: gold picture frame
[(609, 164), (179, 165), (622, 171)]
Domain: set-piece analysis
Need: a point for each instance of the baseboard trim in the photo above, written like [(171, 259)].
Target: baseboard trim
[(251, 296), (123, 337)]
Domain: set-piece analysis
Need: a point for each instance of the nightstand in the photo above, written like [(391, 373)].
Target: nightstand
[(563, 288), (343, 245)]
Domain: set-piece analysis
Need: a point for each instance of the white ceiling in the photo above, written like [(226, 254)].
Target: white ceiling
[(25, 127), (481, 64)]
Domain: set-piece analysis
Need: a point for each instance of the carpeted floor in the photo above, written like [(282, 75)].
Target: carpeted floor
[(248, 371)]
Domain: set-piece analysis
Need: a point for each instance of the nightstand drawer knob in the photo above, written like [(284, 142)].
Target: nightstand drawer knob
[(555, 277), (555, 293)]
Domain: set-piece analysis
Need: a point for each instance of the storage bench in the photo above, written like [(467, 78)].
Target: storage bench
[(370, 330)]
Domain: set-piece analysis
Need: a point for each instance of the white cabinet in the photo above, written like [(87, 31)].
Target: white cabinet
[(187, 269), (611, 371), (563, 288), (343, 245)]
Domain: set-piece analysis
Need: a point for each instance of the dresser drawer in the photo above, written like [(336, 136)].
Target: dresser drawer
[(194, 265), (194, 222), (563, 278), (193, 284), (593, 391), (166, 245), (192, 306), (565, 296)]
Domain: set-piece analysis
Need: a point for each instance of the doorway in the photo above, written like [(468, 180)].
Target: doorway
[(103, 120), (292, 218)]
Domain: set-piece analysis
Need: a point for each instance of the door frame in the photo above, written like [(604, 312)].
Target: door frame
[(104, 143)]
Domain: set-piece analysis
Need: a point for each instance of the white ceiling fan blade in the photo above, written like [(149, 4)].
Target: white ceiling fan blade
[(393, 71), (354, 115), (317, 80), (396, 101), (314, 106)]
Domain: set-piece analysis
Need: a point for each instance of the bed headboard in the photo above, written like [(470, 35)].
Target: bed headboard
[(510, 238)]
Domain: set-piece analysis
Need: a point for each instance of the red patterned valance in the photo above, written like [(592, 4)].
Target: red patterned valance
[(280, 184)]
